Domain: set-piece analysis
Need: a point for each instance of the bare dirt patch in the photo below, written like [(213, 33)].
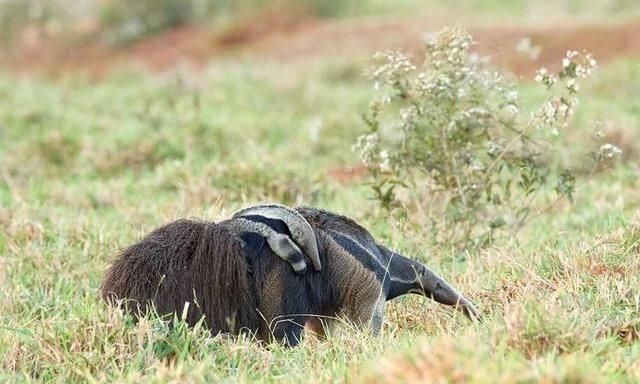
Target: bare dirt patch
[(297, 39), (347, 174), (185, 44), (363, 38)]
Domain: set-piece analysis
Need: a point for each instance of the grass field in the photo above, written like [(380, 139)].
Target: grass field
[(88, 167)]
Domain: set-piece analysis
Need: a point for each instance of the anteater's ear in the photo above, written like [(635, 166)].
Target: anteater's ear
[(301, 232)]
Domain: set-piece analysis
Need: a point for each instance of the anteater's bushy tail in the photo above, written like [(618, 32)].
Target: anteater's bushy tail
[(186, 261)]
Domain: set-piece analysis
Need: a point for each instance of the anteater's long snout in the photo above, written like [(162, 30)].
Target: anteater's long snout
[(411, 276), (439, 290)]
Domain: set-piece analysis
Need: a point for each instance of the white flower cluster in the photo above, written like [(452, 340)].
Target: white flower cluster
[(448, 65), (573, 86), (385, 162), (471, 118), (543, 76), (432, 84), (556, 112), (449, 48), (408, 116), (608, 152), (392, 65), (368, 146), (579, 64)]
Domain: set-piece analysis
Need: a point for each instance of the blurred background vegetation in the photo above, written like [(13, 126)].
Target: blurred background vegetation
[(120, 21)]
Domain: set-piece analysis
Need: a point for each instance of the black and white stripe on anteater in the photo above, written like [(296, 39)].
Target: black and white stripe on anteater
[(229, 274), (299, 230), (280, 243)]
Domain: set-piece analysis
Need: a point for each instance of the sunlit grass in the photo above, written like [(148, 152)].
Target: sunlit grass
[(87, 168)]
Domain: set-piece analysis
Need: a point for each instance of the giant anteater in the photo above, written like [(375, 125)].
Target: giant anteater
[(232, 273)]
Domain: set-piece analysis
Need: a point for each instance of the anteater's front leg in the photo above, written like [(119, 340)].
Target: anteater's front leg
[(366, 306), (285, 306)]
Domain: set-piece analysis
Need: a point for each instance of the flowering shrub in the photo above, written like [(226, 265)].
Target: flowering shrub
[(450, 139)]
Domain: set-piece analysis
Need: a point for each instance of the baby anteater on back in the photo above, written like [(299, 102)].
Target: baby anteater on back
[(229, 273)]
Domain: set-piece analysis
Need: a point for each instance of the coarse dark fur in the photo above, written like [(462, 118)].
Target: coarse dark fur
[(186, 261), (237, 282), (234, 280)]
